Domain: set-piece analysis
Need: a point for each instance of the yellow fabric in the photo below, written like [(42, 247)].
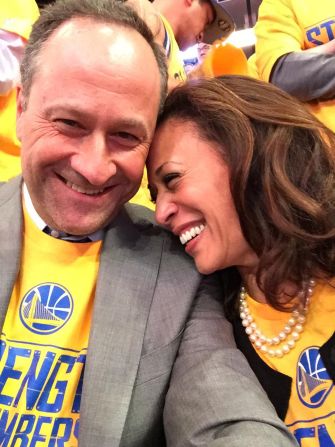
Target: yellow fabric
[(285, 26), (311, 413), (44, 340), (16, 16), (176, 65), (142, 196)]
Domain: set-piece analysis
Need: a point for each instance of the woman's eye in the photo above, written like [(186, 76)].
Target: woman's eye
[(168, 178)]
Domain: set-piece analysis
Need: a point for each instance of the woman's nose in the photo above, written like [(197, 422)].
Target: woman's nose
[(165, 211)]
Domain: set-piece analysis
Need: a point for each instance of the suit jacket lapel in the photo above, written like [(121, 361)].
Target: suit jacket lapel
[(127, 276), (10, 240)]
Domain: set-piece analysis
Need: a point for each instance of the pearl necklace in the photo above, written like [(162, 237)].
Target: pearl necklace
[(285, 340)]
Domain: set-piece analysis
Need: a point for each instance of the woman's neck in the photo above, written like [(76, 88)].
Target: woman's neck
[(249, 281)]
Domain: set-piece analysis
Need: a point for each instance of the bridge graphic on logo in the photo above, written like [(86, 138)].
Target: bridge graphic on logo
[(313, 381), (46, 308)]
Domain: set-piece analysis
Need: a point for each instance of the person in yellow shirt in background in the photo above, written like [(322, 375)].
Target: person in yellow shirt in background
[(16, 19), (295, 50), (177, 25)]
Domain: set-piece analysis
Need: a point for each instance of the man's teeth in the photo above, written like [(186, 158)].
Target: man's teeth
[(77, 188), (191, 233)]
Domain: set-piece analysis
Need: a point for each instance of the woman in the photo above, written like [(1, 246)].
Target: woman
[(245, 176)]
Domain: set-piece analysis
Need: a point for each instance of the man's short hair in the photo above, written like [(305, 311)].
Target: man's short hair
[(105, 11)]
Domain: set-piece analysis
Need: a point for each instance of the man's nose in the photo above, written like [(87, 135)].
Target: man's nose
[(95, 161)]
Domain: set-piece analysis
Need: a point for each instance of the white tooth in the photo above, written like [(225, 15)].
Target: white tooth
[(192, 231), (188, 235), (202, 227), (197, 230), (82, 190), (182, 240)]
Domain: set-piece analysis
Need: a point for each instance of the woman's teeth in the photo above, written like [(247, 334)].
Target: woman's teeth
[(191, 233)]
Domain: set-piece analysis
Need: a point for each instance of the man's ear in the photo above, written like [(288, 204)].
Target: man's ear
[(20, 108)]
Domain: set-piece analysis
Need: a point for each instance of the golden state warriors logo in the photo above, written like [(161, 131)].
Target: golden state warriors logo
[(313, 381), (46, 308)]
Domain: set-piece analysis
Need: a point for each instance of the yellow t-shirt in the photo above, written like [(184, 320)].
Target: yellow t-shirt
[(44, 341), (285, 26), (16, 16), (311, 411)]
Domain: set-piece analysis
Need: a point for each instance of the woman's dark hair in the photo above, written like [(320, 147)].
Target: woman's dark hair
[(282, 174)]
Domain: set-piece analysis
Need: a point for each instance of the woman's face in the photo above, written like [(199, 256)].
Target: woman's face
[(190, 182)]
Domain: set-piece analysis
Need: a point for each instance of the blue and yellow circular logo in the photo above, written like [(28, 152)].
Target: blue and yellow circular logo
[(313, 381), (46, 308)]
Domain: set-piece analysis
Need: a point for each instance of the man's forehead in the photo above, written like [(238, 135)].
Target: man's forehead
[(79, 27), (88, 41)]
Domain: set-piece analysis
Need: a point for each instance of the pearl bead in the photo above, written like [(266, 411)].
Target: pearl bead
[(290, 333), (295, 335), (245, 322), (282, 335)]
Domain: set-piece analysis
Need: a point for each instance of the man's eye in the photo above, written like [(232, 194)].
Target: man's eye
[(125, 139), (68, 122)]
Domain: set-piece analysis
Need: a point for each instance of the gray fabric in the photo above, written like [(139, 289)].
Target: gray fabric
[(144, 295), (306, 75)]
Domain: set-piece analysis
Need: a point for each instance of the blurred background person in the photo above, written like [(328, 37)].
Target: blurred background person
[(16, 19), (295, 50)]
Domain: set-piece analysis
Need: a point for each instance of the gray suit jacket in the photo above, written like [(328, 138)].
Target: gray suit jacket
[(145, 311)]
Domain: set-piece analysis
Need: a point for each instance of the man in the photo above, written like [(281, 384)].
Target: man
[(90, 284), (295, 50)]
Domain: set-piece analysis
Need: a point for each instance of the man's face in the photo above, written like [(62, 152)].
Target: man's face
[(88, 123), (197, 16)]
